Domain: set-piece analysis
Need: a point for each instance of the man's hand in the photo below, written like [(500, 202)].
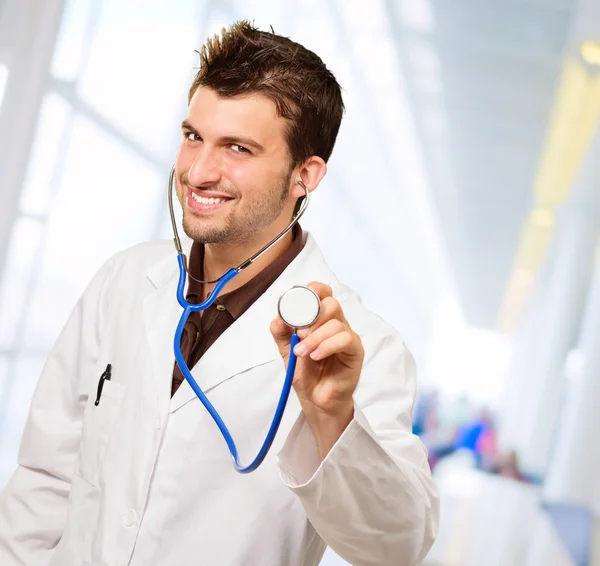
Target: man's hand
[(330, 357)]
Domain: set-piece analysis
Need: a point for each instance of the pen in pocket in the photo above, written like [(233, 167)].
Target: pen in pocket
[(104, 377)]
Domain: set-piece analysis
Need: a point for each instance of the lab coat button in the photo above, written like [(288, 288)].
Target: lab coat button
[(158, 423), (129, 518)]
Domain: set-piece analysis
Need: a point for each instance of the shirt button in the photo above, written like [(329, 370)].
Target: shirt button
[(221, 307), (129, 518)]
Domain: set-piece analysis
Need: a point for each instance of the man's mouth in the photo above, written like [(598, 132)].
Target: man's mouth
[(206, 202)]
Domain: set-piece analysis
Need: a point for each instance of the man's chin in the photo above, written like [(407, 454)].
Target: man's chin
[(203, 234)]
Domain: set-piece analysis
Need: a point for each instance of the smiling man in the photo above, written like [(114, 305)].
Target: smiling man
[(120, 464)]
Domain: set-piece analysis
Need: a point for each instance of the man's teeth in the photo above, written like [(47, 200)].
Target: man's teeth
[(204, 200)]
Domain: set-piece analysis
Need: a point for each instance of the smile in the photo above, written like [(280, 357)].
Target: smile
[(205, 200), (200, 203)]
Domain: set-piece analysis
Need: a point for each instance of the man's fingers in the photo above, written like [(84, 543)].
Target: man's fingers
[(279, 329), (330, 310), (314, 339), (321, 289), (341, 343)]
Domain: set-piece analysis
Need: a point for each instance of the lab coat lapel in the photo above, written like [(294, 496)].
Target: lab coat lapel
[(248, 343), (245, 344), (161, 316)]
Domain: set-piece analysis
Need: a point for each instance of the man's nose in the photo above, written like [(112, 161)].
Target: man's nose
[(205, 169)]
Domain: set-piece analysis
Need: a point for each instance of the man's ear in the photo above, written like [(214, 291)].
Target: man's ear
[(310, 173)]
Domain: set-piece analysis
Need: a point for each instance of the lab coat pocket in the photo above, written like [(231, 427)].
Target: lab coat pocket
[(99, 420)]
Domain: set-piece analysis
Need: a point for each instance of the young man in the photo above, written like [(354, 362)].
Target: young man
[(138, 474)]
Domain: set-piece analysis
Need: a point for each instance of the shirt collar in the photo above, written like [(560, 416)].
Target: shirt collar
[(239, 300)]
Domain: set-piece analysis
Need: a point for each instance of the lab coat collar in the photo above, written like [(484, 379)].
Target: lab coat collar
[(246, 344), (163, 271)]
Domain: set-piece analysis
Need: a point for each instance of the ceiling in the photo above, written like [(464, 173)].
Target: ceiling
[(482, 77)]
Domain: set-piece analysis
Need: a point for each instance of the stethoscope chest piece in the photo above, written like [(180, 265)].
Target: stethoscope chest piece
[(299, 306)]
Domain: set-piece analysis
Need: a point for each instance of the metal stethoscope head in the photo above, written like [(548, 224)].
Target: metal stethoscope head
[(250, 260)]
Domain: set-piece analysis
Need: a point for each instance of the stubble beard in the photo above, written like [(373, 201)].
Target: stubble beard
[(235, 228)]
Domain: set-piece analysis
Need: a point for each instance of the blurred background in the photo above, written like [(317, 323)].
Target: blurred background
[(462, 202)]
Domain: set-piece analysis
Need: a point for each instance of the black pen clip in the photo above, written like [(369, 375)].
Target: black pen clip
[(105, 376)]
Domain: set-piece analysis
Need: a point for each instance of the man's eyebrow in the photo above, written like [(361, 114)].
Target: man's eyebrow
[(244, 142), (239, 140), (185, 125)]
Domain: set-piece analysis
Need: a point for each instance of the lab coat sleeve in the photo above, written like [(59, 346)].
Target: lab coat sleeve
[(33, 505), (372, 499)]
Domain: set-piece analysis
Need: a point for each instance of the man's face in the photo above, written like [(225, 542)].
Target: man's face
[(233, 168)]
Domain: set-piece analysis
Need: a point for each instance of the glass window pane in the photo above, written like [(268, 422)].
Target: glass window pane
[(75, 27), (26, 373), (23, 250), (3, 81), (48, 146), (417, 15), (109, 199), (3, 381), (140, 67), (217, 20)]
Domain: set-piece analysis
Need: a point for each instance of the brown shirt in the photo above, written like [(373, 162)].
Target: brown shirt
[(202, 329)]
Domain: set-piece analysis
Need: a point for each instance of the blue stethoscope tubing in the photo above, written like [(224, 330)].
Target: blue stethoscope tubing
[(189, 308), (287, 384)]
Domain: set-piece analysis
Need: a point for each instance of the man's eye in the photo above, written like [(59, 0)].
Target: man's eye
[(239, 148), (191, 136)]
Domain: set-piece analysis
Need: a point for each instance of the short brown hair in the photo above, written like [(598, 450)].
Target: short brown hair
[(246, 60)]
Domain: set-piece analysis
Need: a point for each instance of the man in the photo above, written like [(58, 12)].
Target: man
[(119, 462)]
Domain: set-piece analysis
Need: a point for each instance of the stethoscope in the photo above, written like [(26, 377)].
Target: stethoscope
[(298, 307)]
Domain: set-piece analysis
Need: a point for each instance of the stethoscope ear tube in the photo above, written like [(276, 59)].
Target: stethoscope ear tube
[(176, 239), (250, 260)]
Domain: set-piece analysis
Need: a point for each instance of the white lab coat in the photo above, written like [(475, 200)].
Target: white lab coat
[(145, 479)]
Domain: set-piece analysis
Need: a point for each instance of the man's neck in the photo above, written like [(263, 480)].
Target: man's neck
[(218, 259)]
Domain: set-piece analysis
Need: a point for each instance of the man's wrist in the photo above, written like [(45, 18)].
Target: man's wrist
[(327, 428)]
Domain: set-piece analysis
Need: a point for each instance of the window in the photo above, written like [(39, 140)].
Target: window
[(3, 81), (97, 172)]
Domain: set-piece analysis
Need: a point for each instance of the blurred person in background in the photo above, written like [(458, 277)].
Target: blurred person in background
[(475, 435), (117, 466)]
